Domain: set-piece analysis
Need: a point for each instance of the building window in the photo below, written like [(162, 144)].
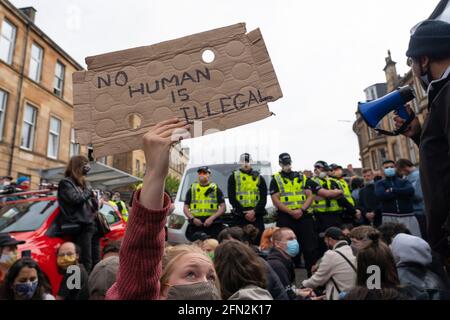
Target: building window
[(7, 41), (53, 138), (37, 54), (383, 157), (3, 101), (374, 160), (74, 146), (412, 151), (29, 127), (396, 151), (60, 72), (138, 167)]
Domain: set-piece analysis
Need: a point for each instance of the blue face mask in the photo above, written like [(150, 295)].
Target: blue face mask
[(389, 172), (292, 248), (26, 290)]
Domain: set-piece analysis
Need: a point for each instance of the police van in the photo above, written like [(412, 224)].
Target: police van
[(177, 222)]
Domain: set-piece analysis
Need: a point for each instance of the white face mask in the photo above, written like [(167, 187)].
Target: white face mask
[(286, 167), (322, 175)]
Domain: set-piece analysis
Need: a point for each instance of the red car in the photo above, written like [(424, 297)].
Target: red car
[(33, 220)]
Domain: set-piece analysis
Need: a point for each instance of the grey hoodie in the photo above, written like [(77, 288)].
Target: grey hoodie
[(408, 249), (251, 293)]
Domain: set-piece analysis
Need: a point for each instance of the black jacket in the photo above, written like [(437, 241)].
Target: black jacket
[(76, 205), (400, 200), (368, 202), (260, 209), (283, 267), (434, 146), (274, 285)]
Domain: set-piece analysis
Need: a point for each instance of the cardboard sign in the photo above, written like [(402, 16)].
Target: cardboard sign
[(223, 77)]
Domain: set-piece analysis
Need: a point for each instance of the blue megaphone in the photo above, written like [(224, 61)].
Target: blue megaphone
[(374, 111)]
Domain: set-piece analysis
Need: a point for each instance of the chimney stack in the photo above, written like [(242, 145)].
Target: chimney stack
[(30, 12)]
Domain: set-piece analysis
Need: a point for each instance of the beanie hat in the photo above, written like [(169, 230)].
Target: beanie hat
[(21, 180), (432, 39)]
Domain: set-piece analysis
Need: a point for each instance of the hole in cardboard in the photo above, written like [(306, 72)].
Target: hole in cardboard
[(208, 56), (134, 121)]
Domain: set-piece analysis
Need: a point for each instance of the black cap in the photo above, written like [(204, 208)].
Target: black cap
[(202, 236), (333, 233), (204, 169), (430, 38), (335, 166), (6, 240), (8, 177), (245, 157), (285, 158), (321, 164)]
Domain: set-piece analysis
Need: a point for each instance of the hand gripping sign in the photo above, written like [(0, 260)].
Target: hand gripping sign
[(223, 77)]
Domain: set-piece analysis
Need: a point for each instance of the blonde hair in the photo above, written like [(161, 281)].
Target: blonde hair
[(172, 255), (212, 243), (266, 238)]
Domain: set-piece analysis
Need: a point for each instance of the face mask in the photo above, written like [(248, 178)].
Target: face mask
[(66, 261), (369, 182), (26, 290), (292, 248), (389, 172), (7, 183), (286, 167), (86, 170), (211, 255), (205, 290), (8, 260), (322, 175)]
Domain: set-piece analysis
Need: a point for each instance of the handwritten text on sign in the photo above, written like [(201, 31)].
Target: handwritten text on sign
[(229, 103)]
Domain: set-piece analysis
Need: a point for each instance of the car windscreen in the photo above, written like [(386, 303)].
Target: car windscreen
[(220, 174), (28, 216)]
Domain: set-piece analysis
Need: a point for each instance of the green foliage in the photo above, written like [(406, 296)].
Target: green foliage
[(172, 184)]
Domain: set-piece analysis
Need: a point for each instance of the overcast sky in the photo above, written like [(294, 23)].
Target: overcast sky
[(325, 53)]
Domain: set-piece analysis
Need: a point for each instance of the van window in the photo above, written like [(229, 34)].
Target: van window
[(220, 174)]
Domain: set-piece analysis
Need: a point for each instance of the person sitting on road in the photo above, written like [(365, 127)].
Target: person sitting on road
[(26, 281), (104, 273), (242, 275), (68, 255), (8, 253), (186, 271), (337, 268)]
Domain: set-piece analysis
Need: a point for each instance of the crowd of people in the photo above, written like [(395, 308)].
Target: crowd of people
[(363, 238)]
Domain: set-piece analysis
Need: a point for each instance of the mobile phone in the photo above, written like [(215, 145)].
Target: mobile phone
[(26, 254)]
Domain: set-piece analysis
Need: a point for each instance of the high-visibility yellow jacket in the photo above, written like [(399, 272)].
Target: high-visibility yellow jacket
[(323, 205), (203, 205), (247, 189), (292, 193)]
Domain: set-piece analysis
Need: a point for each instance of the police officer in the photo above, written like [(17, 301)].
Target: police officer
[(121, 206), (247, 193), (203, 205), (292, 194), (349, 213), (327, 209)]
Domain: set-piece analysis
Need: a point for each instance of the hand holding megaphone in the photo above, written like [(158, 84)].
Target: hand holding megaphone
[(413, 129), (374, 111)]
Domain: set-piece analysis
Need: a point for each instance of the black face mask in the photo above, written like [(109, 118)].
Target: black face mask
[(86, 170)]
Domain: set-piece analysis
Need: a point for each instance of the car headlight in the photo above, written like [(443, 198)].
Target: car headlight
[(176, 221), (271, 215)]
